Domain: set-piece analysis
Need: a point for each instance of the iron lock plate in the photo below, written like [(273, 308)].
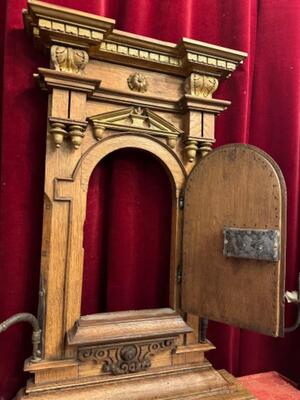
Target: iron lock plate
[(254, 244)]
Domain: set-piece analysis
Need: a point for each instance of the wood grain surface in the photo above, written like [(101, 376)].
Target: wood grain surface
[(235, 186)]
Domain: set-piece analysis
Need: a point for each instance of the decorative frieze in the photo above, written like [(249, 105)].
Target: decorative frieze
[(70, 29), (143, 54), (213, 61), (127, 358), (67, 59)]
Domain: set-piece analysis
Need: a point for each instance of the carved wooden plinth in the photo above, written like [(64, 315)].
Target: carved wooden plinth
[(186, 378)]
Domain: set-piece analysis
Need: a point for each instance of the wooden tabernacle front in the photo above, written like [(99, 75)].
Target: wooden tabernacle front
[(110, 90)]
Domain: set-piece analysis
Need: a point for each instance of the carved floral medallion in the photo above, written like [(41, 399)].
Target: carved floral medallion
[(137, 82)]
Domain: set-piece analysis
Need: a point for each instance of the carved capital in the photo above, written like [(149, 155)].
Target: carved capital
[(201, 85), (67, 59)]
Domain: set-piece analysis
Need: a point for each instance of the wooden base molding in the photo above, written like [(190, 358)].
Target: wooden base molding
[(193, 380)]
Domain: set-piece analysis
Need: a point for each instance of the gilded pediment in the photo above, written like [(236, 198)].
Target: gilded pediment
[(134, 119)]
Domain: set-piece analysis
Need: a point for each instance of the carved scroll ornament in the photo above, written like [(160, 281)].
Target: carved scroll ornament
[(125, 359)]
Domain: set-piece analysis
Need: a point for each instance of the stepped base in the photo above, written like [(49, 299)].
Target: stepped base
[(189, 383)]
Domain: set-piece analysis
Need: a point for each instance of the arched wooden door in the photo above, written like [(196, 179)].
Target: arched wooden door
[(234, 239)]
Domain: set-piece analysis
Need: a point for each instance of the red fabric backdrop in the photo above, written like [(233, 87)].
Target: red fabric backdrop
[(265, 112)]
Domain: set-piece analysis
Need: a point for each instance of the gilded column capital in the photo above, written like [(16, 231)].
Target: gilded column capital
[(201, 85), (67, 59)]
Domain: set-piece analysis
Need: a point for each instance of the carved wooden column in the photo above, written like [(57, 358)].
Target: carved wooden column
[(68, 88)]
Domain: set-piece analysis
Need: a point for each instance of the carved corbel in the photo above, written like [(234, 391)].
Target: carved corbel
[(192, 146), (76, 133), (205, 148), (200, 85), (67, 59), (98, 130), (61, 129), (58, 130), (171, 141), (190, 149)]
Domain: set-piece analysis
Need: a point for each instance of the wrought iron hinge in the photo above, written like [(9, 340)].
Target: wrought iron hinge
[(181, 202), (179, 274)]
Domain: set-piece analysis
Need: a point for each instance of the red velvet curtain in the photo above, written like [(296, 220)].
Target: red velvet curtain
[(127, 234), (265, 112)]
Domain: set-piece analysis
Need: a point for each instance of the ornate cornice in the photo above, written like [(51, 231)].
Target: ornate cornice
[(53, 25)]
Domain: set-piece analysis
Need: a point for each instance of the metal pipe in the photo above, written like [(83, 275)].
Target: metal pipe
[(297, 323), (36, 334)]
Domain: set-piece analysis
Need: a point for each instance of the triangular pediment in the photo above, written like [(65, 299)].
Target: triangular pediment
[(135, 119)]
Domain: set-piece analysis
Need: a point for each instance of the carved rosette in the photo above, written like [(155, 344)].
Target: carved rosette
[(67, 59), (137, 82), (201, 85), (62, 129), (125, 359)]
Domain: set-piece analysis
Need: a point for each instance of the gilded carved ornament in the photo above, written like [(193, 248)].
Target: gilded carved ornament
[(201, 85), (67, 59), (135, 119), (137, 82)]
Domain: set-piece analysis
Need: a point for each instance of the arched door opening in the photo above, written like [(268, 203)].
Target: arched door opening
[(127, 234)]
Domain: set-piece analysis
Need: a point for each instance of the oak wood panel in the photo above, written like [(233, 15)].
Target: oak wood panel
[(234, 186), (160, 85)]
